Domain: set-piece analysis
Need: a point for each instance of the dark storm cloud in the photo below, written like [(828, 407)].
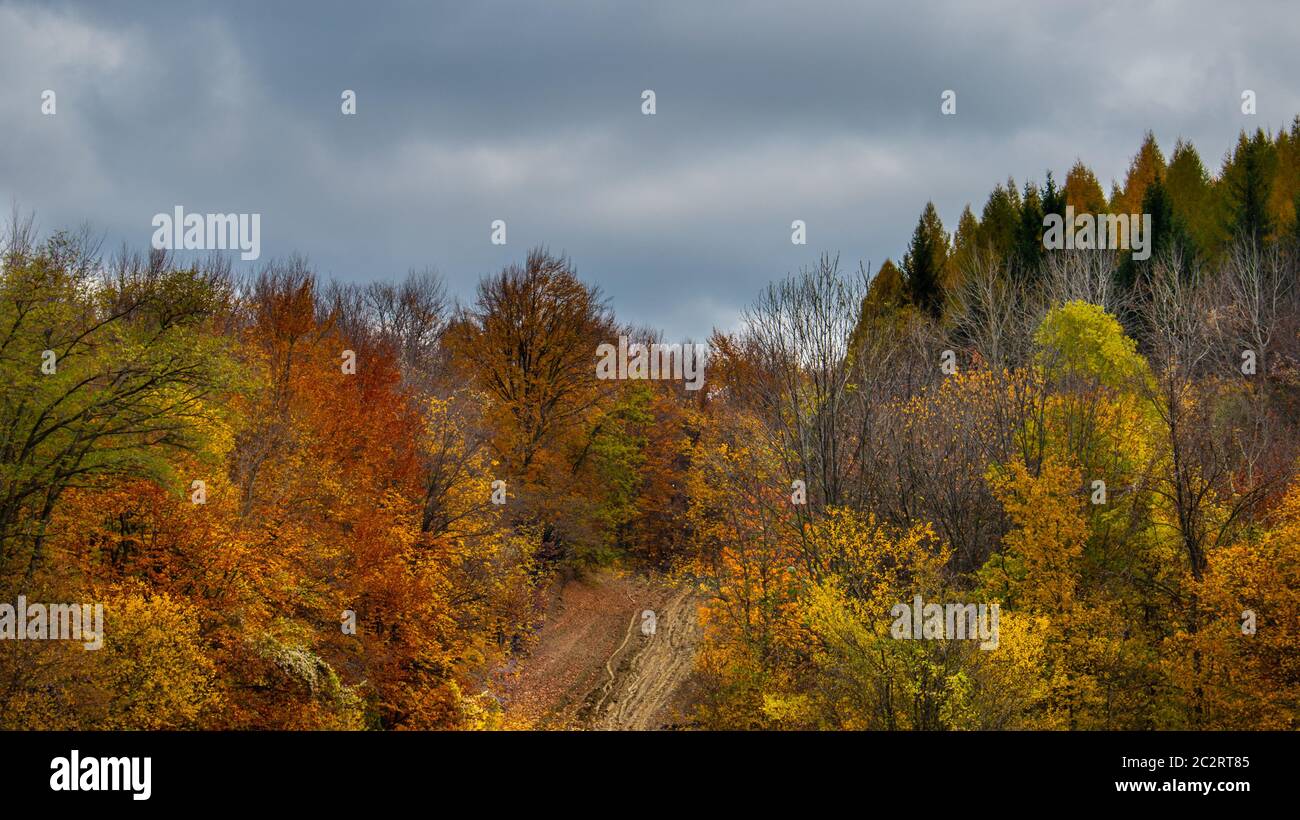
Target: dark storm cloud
[(530, 112)]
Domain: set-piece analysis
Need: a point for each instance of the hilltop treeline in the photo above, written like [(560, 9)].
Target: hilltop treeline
[(1104, 447), (307, 504), (1255, 194)]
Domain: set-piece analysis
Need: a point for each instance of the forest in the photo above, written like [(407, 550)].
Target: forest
[(312, 504)]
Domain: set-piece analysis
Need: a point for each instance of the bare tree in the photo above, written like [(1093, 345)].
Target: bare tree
[(406, 318), (797, 334), (1212, 439), (993, 314), (1084, 275), (1260, 292)]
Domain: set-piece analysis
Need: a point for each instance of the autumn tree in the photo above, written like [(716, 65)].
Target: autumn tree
[(103, 375), (529, 342)]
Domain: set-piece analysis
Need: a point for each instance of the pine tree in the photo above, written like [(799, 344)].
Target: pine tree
[(886, 290), (1190, 193), (880, 306), (924, 262), (1029, 235), (1148, 166), (1246, 179), (1082, 191), (1285, 181), (1167, 234), (1000, 221), (1053, 198), (1295, 227), (965, 247)]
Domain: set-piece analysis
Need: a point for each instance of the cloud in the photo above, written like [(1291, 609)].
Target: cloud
[(469, 112)]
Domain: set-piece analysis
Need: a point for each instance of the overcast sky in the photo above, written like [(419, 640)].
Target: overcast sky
[(530, 112)]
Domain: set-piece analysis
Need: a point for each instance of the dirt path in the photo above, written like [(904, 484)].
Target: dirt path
[(593, 668)]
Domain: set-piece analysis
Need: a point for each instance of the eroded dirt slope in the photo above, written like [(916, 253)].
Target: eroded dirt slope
[(592, 668)]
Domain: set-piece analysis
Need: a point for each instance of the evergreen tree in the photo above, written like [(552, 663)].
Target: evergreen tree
[(1082, 191), (1115, 203), (965, 247), (1191, 195), (1167, 234), (1000, 221), (1285, 184), (923, 265), (1246, 182), (1295, 227), (880, 306), (1053, 198), (886, 290), (1029, 235), (1148, 166)]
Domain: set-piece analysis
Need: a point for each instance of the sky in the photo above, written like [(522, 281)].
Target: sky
[(531, 113)]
